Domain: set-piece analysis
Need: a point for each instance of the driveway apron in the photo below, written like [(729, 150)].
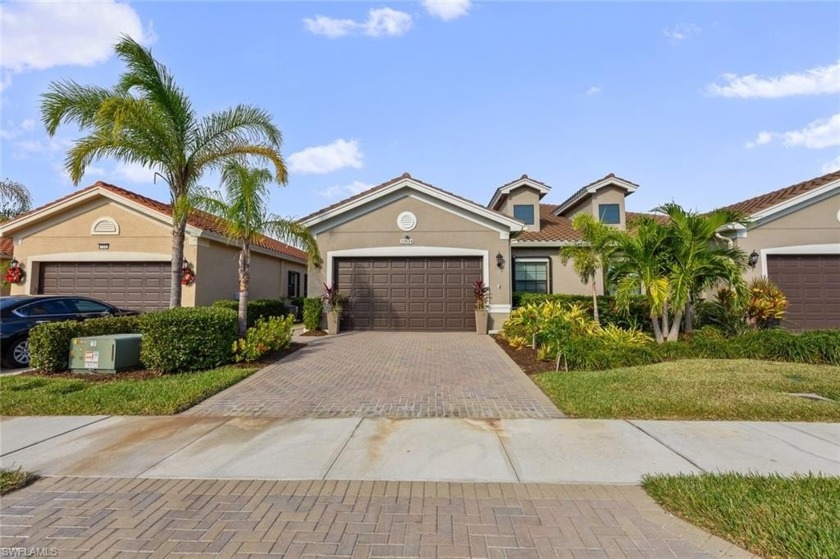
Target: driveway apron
[(388, 374)]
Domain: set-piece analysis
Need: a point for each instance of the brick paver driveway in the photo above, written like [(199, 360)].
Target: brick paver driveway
[(388, 374), (107, 517)]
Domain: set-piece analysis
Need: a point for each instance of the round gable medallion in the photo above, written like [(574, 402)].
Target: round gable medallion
[(406, 221)]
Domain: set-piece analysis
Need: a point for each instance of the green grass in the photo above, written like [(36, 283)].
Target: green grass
[(164, 395), (716, 389), (771, 516), (10, 480)]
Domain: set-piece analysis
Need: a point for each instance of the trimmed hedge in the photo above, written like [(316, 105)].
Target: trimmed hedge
[(49, 343), (298, 302), (257, 308), (312, 309), (188, 338), (637, 315)]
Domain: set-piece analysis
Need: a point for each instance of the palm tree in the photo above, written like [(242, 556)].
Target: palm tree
[(147, 119), (590, 255), (242, 210), (15, 199)]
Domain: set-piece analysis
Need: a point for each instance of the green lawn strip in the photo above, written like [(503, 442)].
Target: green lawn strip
[(164, 395), (702, 389), (770, 516), (11, 480)]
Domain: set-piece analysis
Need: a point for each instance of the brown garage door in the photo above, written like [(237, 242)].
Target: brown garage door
[(812, 286), (142, 286), (408, 293)]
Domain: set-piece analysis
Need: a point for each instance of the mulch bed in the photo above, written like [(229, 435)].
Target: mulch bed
[(526, 358), (314, 333), (265, 361)]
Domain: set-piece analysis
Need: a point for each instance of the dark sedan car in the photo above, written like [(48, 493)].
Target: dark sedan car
[(20, 313)]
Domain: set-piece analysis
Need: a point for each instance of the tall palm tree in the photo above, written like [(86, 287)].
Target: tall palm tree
[(15, 199), (147, 119), (590, 255), (242, 210)]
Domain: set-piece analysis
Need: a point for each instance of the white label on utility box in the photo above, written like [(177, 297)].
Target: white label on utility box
[(91, 359)]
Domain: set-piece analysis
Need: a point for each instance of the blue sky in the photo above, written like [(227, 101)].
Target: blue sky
[(704, 104)]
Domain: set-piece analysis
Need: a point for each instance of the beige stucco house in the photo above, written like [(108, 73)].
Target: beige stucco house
[(115, 245), (406, 253)]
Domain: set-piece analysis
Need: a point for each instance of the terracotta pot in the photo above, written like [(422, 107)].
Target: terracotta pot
[(481, 317), (333, 320)]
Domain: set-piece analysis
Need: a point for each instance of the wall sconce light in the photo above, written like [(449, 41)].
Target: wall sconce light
[(500, 260), (753, 259)]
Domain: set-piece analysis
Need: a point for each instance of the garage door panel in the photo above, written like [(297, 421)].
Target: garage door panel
[(812, 285), (434, 294), (142, 286)]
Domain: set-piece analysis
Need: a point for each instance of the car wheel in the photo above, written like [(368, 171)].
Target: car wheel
[(18, 354)]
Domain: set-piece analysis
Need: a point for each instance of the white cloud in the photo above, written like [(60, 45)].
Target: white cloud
[(831, 166), (132, 172), (681, 32), (27, 124), (41, 35), (816, 81), (345, 190), (318, 160), (594, 90), (447, 9), (823, 133), (379, 23)]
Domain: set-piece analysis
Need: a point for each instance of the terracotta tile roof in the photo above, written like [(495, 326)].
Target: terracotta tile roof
[(197, 219), (7, 247), (553, 228), (582, 190), (766, 201), (388, 183)]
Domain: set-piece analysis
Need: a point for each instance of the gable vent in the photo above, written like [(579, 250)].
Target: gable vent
[(105, 226), (406, 221)]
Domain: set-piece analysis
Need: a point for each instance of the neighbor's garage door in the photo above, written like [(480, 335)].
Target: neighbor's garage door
[(812, 286), (408, 293), (142, 286)]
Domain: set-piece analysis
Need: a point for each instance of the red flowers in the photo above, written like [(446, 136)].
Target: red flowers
[(14, 274), (187, 276)]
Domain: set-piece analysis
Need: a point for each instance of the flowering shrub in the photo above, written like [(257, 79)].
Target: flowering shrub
[(267, 335), (532, 323), (766, 304)]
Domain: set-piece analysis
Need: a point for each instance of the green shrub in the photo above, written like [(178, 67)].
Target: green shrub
[(636, 317), (824, 344), (49, 343), (257, 308), (187, 338), (594, 353), (312, 308), (267, 335), (298, 302)]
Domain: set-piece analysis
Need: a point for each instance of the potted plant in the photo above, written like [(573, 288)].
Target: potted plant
[(482, 294), (335, 306)]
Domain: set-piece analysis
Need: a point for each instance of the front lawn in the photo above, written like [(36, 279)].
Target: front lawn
[(11, 480), (161, 395), (716, 389), (771, 516)]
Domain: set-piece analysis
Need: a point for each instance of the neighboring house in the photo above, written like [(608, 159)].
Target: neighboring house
[(794, 239), (406, 253), (115, 245), (6, 255)]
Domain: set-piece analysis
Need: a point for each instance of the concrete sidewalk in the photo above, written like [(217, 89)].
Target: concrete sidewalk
[(509, 450)]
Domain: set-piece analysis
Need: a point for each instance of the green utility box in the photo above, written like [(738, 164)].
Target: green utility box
[(105, 354)]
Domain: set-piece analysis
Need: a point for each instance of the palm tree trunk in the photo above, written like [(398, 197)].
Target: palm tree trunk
[(244, 279), (657, 329), (178, 233), (595, 304), (674, 333), (689, 317)]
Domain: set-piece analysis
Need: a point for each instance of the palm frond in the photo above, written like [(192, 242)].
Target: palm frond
[(67, 102)]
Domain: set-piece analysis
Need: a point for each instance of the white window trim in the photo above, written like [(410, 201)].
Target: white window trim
[(542, 259), (408, 252), (96, 222), (831, 248)]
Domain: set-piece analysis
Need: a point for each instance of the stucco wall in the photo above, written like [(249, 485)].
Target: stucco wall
[(817, 224), (606, 195), (436, 227), (523, 196), (563, 278)]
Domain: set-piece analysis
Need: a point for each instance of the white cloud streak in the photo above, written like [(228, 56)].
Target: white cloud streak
[(823, 80), (447, 10), (831, 166), (318, 160), (381, 22), (344, 190), (819, 134), (681, 32), (594, 90)]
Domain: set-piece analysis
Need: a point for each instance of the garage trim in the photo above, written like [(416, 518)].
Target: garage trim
[(832, 248), (408, 252), (101, 256)]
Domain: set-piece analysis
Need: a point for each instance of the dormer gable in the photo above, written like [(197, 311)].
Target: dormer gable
[(603, 198), (520, 199)]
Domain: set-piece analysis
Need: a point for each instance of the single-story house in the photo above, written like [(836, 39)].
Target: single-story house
[(115, 245), (406, 253)]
